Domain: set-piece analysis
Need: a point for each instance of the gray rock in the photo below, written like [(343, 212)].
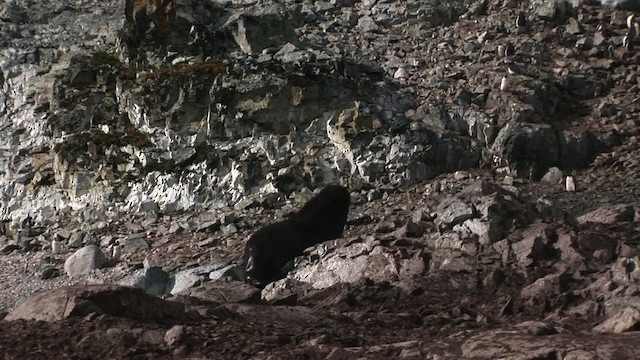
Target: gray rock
[(623, 4), (227, 218), (345, 265), (628, 319), (149, 205), (186, 279), (229, 229), (50, 273), (423, 214), (153, 280), (367, 24), (528, 150), (411, 229), (504, 344), (254, 31), (553, 176), (117, 301), (583, 86), (551, 9), (537, 294), (566, 244), (84, 261), (174, 335), (235, 272), (63, 234), (539, 328), (609, 214), (76, 239), (573, 26), (225, 292), (9, 248), (183, 281), (135, 243), (453, 213), (532, 244), (107, 240), (448, 240), (548, 210), (487, 231)]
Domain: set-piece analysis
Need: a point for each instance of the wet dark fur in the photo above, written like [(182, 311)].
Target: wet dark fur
[(269, 251)]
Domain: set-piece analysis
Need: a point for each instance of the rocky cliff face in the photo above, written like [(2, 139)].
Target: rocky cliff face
[(180, 105), (175, 105)]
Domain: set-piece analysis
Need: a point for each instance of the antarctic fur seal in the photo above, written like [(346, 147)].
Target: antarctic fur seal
[(269, 251)]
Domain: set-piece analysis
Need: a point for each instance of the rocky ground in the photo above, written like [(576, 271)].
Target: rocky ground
[(555, 287), (142, 144)]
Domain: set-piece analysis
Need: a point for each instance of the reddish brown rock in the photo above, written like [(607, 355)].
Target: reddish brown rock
[(502, 344), (628, 319), (114, 300), (609, 214)]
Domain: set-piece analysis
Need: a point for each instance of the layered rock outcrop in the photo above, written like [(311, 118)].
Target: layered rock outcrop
[(181, 105)]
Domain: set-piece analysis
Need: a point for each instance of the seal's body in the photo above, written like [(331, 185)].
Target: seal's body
[(269, 251)]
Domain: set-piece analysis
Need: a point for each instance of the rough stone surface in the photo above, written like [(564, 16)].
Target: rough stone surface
[(153, 280), (79, 301), (186, 279), (84, 261), (628, 319), (225, 292), (609, 214)]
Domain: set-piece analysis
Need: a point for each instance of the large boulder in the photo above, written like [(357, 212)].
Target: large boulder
[(153, 280), (528, 150), (84, 261), (623, 4), (114, 300)]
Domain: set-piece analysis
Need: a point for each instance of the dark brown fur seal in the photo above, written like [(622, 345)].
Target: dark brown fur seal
[(269, 251)]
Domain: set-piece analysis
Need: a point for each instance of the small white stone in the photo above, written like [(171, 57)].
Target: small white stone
[(553, 176), (401, 73), (461, 175), (570, 184), (174, 334), (55, 247), (508, 180)]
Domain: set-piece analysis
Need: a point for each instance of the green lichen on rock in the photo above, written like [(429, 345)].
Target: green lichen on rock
[(77, 145), (213, 67), (163, 167), (103, 58), (203, 152)]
